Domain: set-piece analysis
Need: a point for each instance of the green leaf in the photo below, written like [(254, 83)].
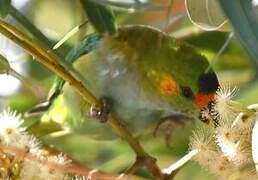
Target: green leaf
[(207, 15), (243, 17), (132, 6), (4, 65), (84, 47), (4, 7), (69, 35), (99, 16)]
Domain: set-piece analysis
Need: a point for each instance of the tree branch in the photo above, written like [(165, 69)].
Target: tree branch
[(73, 169)]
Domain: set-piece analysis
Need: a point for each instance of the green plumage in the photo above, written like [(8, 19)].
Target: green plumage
[(141, 70)]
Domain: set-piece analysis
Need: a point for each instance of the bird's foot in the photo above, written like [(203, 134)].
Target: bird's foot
[(101, 112), (167, 124)]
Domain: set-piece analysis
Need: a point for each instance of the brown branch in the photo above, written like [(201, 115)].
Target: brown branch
[(47, 59), (66, 169)]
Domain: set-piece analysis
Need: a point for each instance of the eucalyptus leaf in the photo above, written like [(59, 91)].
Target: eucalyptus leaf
[(69, 35), (207, 14), (243, 17), (4, 7), (83, 47), (4, 65), (100, 17), (132, 6)]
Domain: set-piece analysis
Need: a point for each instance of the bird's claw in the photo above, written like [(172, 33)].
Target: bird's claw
[(101, 111), (168, 124)]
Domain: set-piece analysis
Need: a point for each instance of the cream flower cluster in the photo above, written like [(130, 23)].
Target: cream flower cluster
[(225, 148), (21, 156)]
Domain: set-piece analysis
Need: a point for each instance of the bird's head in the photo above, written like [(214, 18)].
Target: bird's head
[(205, 97)]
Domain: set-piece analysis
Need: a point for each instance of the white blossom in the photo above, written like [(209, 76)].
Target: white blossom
[(45, 170), (226, 148), (10, 124), (225, 107), (40, 166)]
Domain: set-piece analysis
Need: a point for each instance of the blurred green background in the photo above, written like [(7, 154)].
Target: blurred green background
[(55, 18)]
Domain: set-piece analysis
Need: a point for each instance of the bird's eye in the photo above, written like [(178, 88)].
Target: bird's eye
[(187, 92)]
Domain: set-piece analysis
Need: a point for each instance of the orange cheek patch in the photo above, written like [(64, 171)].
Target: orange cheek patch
[(168, 86)]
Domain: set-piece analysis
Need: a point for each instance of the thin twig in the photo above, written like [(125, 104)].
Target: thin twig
[(169, 9), (175, 167), (221, 50)]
